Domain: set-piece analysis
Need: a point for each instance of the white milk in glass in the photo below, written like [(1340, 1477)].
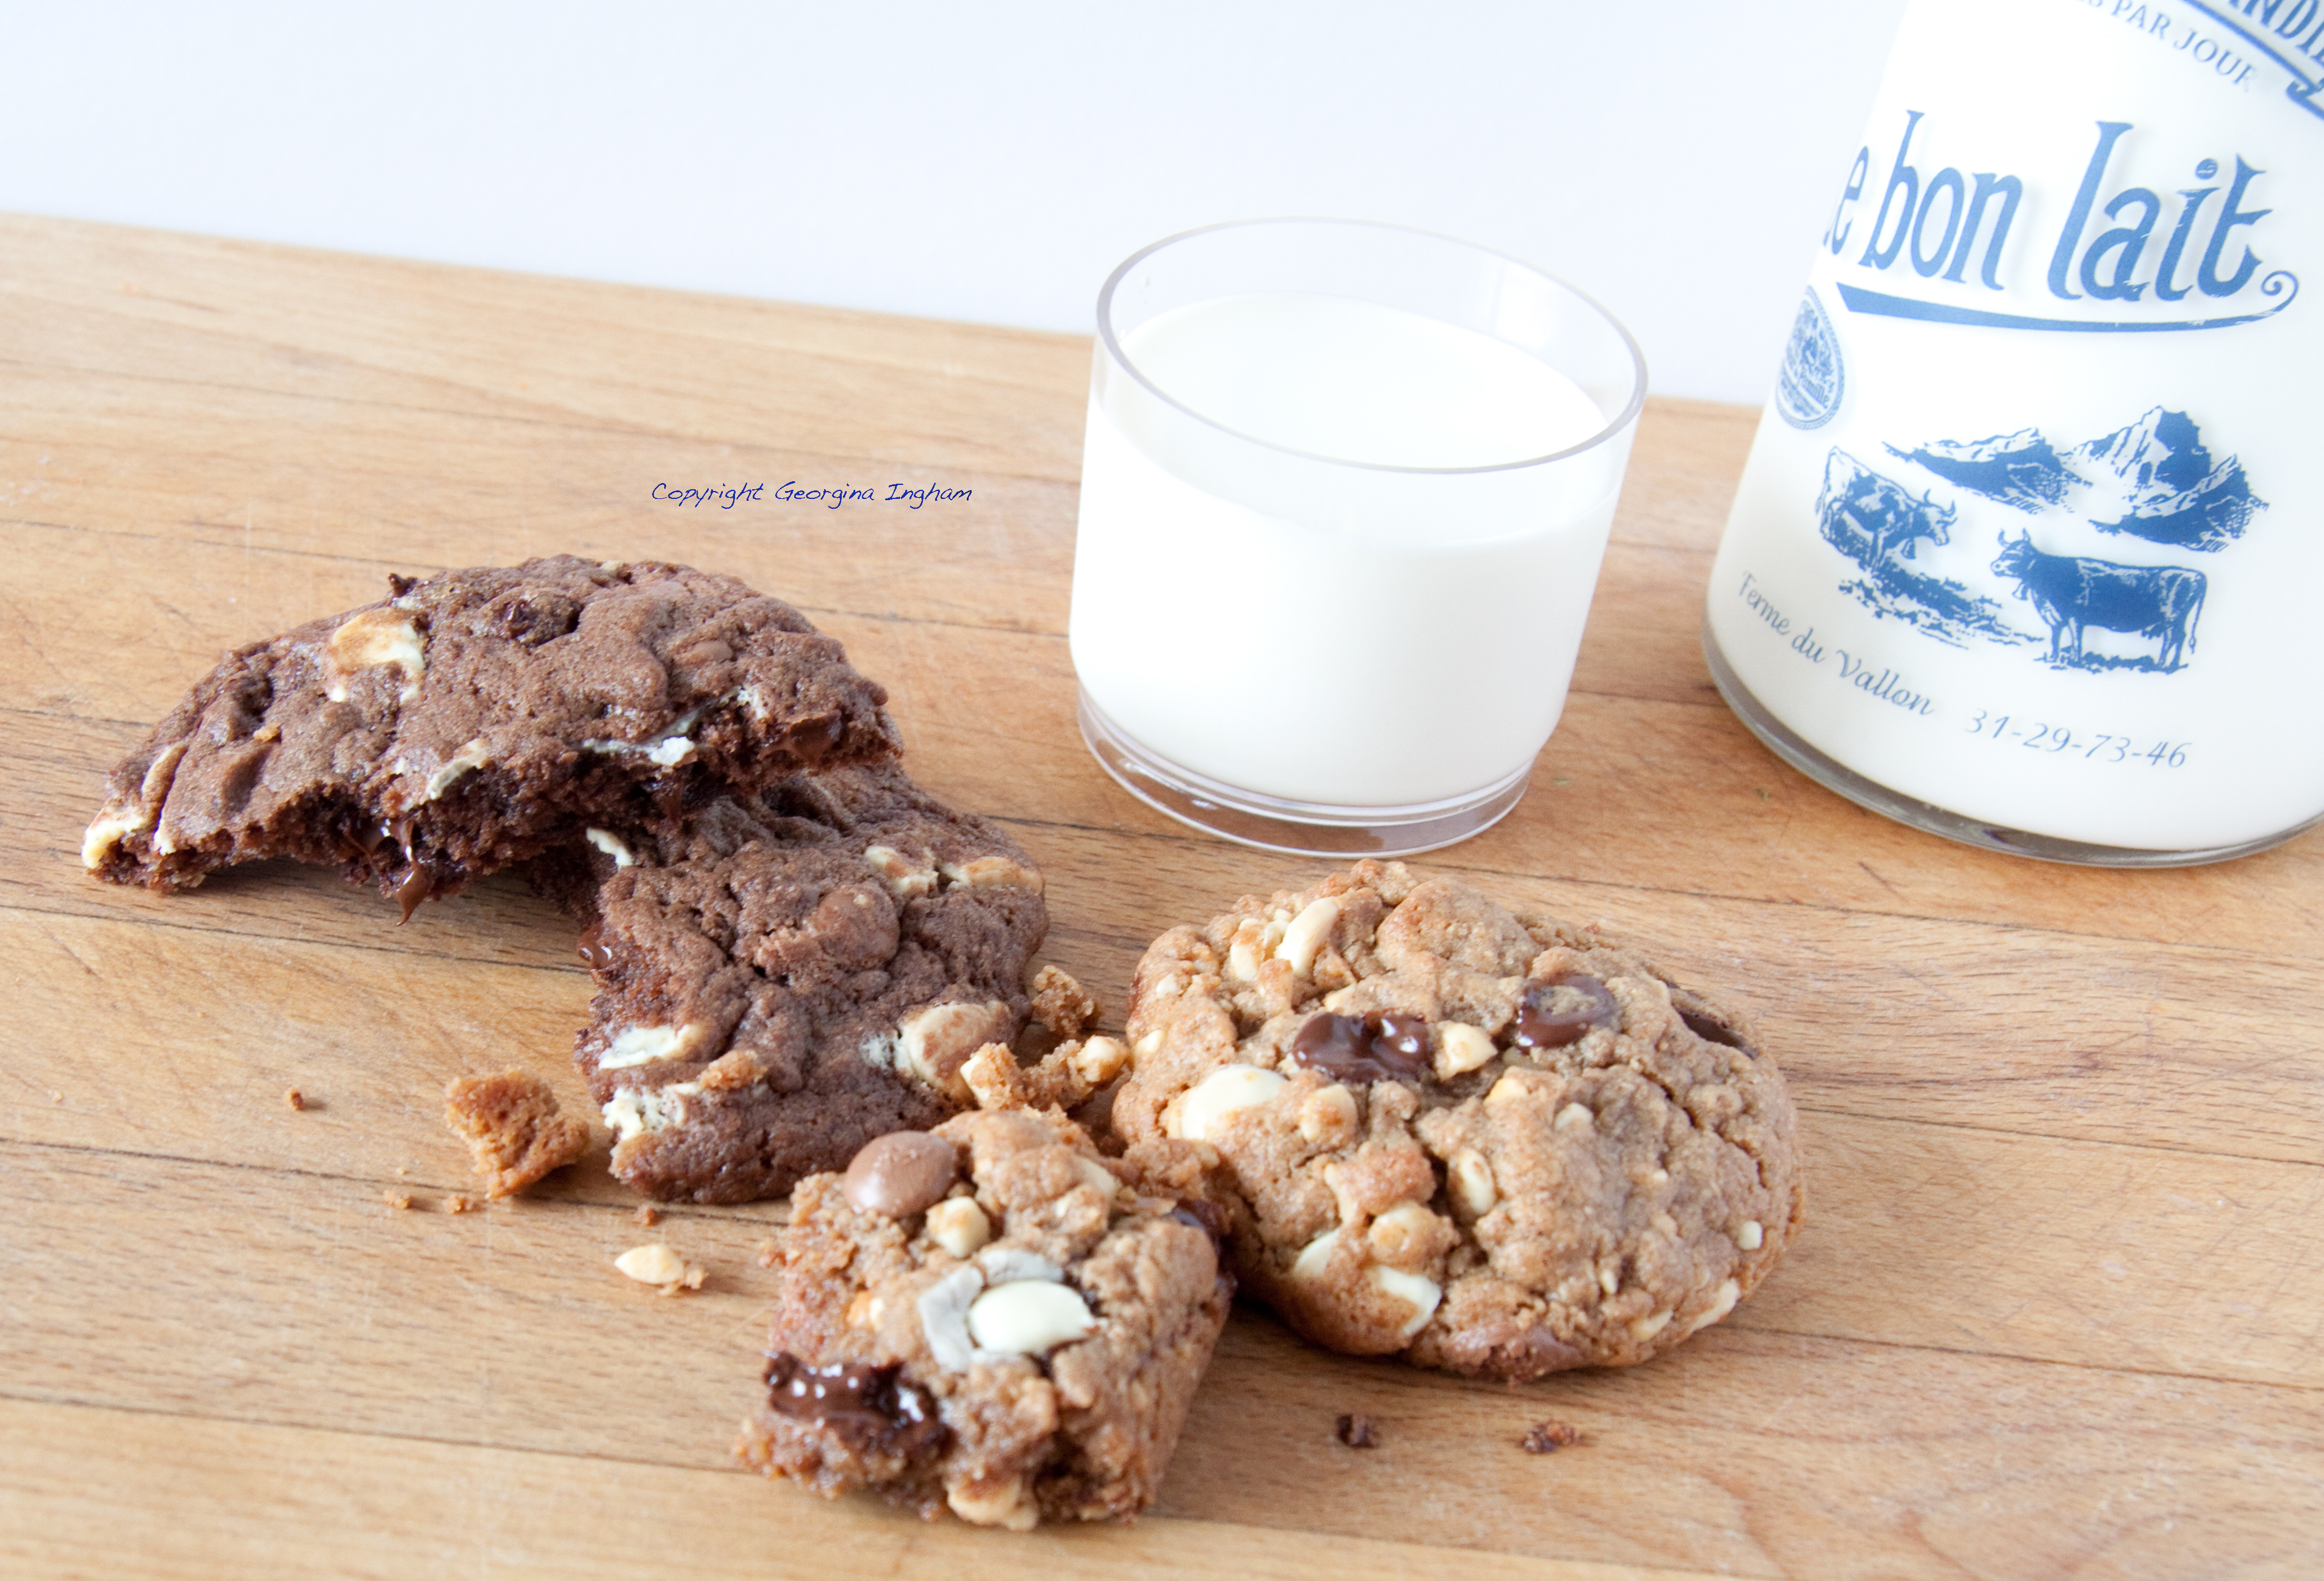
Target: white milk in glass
[(2030, 532), (1397, 644)]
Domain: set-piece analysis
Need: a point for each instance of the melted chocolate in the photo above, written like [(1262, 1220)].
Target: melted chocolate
[(1382, 1045), (869, 1406), (1713, 1030), (595, 952), (361, 841), (1541, 1025), (417, 884), (811, 739)]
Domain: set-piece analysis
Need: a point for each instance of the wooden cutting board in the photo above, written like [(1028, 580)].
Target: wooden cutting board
[(2056, 1310)]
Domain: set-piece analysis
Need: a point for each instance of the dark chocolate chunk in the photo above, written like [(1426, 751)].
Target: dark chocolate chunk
[(1563, 1009), (871, 1406), (1710, 1029), (1380, 1045)]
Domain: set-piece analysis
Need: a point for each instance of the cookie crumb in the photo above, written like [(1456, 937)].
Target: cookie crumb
[(399, 1200), (658, 1265), (456, 1204), (1358, 1432), (1547, 1438), (510, 1123), (295, 1098), (55, 1097), (1061, 1005), (646, 1216), (768, 1255)]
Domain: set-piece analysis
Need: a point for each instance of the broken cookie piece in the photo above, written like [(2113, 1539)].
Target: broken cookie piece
[(990, 1318), (478, 717), (511, 1122), (1489, 1143), (787, 976)]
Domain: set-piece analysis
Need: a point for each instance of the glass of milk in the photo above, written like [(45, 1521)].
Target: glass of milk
[(1345, 495)]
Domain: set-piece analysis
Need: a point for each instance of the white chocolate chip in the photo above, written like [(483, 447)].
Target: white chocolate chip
[(1511, 1088), (1575, 1117), (1315, 1256), (992, 873), (1028, 1318), (1609, 1276), (1723, 1302), (1400, 1236), (1242, 956), (1006, 1507), (1471, 1179), (378, 636), (611, 844), (1416, 1290), (638, 1111), (1004, 1264), (1223, 1092), (1751, 1236), (105, 833), (904, 875), (1461, 1049), (958, 1225), (635, 1046), (1307, 933), (1328, 1114), (470, 756), (1098, 1061), (1096, 1176), (1646, 1329), (932, 1043), (943, 1310), (1149, 1042)]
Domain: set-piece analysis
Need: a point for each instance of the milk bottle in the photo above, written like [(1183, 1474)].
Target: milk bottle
[(2027, 546)]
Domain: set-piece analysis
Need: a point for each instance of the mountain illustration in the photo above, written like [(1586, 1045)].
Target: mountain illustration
[(2158, 483), (2021, 469)]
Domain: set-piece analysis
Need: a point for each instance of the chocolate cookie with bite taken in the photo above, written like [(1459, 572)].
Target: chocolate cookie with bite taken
[(1493, 1143), (990, 1318), (479, 718)]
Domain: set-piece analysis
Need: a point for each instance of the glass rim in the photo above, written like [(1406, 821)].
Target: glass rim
[(1614, 425)]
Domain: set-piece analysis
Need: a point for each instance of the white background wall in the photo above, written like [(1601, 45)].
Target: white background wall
[(982, 161)]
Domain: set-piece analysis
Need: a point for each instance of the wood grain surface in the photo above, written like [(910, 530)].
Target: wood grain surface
[(2058, 1309)]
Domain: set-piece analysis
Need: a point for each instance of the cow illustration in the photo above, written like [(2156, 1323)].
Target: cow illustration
[(2161, 602), (1870, 518)]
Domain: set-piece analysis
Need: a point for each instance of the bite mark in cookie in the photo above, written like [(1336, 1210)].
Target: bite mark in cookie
[(477, 718), (1497, 1145), (1023, 1347)]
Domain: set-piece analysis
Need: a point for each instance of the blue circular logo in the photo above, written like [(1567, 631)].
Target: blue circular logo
[(1809, 385)]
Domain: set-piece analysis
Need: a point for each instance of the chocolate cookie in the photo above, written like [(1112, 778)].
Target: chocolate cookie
[(787, 976), (1500, 1145), (479, 718), (991, 1317)]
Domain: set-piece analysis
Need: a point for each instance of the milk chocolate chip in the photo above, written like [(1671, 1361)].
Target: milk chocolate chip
[(901, 1173), (1563, 1009), (1385, 1045)]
